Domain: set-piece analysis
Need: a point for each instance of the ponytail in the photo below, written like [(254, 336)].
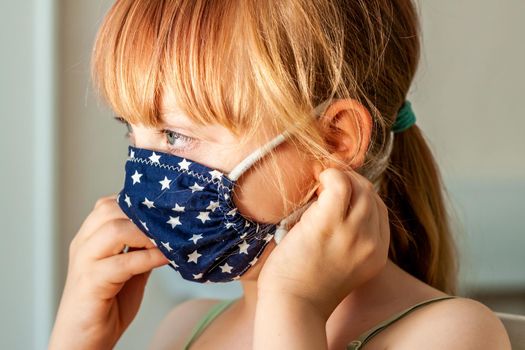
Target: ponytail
[(421, 237)]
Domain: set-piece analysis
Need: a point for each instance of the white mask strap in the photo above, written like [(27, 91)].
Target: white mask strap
[(252, 158), (256, 155), (290, 220)]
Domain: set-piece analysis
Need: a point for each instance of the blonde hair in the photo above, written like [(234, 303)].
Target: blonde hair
[(243, 62)]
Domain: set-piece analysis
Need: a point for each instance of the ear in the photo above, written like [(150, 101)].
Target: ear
[(347, 126)]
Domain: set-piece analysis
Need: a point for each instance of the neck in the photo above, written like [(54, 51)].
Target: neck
[(382, 288)]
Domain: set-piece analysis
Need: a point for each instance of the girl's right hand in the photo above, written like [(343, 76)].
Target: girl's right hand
[(103, 288)]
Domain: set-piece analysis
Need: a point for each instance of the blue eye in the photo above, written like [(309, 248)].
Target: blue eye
[(177, 140)]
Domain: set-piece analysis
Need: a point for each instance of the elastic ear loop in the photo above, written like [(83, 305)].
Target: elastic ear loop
[(253, 157), (284, 225)]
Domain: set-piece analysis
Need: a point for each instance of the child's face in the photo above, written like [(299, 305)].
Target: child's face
[(215, 146)]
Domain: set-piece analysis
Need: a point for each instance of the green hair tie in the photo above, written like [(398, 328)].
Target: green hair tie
[(405, 118)]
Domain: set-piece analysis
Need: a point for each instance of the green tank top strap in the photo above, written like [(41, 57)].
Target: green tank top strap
[(365, 337), (354, 345), (205, 321)]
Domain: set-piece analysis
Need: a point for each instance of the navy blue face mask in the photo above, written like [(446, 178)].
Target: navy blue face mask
[(187, 210)]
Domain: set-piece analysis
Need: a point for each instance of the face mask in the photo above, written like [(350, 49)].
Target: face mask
[(187, 211)]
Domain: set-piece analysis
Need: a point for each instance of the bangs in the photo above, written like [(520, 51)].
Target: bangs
[(194, 48)]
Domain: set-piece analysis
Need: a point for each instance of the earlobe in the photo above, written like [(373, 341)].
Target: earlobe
[(347, 125)]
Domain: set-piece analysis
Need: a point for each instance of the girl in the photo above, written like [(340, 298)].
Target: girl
[(306, 100)]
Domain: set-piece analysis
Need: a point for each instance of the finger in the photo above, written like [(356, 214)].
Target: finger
[(363, 190), (121, 267), (361, 181), (132, 293), (112, 237), (384, 222), (102, 200), (335, 194), (106, 209), (378, 236)]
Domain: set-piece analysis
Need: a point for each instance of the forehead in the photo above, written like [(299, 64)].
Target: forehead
[(170, 111), (172, 114)]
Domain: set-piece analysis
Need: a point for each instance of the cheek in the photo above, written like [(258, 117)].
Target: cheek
[(258, 199), (258, 196)]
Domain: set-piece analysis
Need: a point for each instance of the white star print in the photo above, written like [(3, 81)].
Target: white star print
[(197, 276), (173, 264), (253, 261), (148, 203), (127, 200), (194, 257), (196, 188), (226, 196), (174, 221), (213, 205), (243, 247), (243, 235), (146, 227), (178, 208), (184, 164), (153, 241), (154, 158), (246, 224), (226, 268), (229, 224), (215, 174), (268, 237), (136, 177), (204, 216), (232, 212), (195, 238), (165, 183), (167, 246)]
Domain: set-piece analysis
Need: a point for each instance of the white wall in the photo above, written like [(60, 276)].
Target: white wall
[(27, 173), (469, 90), (467, 98), (17, 298)]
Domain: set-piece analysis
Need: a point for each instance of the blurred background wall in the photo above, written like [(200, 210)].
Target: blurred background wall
[(62, 151)]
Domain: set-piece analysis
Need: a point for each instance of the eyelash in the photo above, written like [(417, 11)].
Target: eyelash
[(189, 141), (165, 132)]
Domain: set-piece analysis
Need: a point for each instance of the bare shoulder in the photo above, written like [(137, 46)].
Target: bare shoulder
[(178, 324), (458, 323)]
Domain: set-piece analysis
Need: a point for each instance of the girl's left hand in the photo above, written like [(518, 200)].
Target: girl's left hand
[(340, 242)]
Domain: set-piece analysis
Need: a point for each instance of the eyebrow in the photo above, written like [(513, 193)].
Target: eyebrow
[(181, 122), (164, 113)]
